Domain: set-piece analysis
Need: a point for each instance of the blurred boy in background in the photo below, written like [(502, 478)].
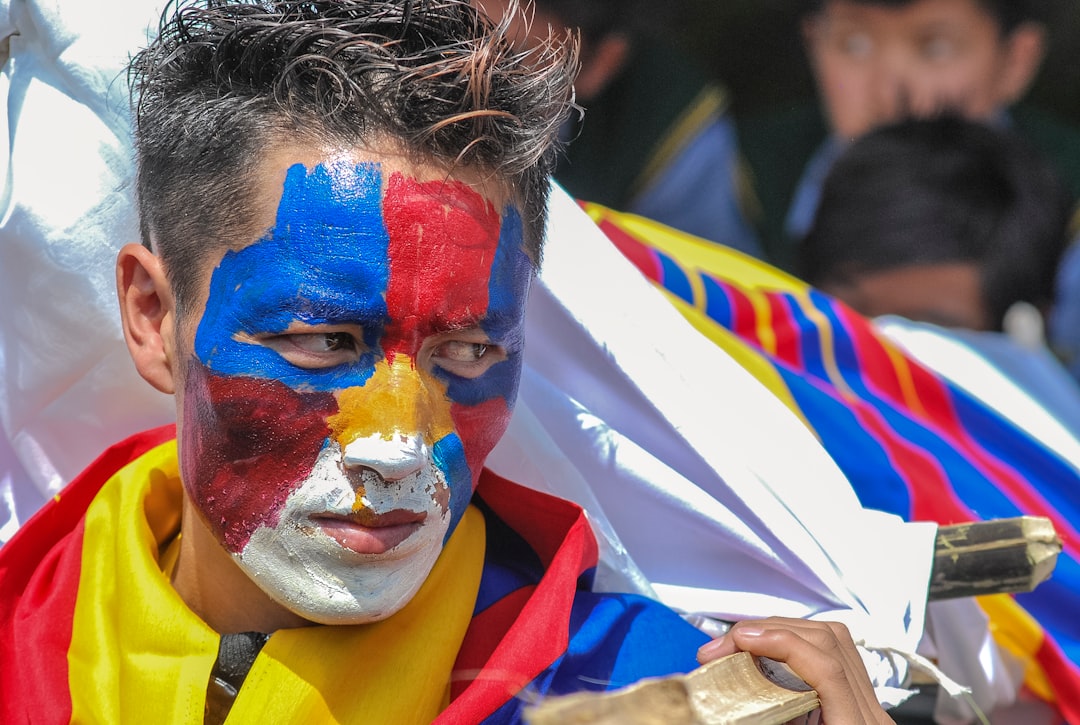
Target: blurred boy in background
[(656, 138), (939, 220), (878, 60)]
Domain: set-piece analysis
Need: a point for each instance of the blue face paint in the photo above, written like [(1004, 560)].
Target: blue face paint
[(324, 262)]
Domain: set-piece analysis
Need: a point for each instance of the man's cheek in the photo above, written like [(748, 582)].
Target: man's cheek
[(480, 427), (247, 444), (481, 408)]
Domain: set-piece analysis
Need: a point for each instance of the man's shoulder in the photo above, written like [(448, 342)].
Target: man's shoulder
[(538, 617), (614, 637), (62, 513), (40, 571)]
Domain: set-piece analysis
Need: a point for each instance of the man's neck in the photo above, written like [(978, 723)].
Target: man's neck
[(217, 590)]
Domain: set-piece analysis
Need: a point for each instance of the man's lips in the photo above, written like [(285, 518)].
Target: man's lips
[(369, 533)]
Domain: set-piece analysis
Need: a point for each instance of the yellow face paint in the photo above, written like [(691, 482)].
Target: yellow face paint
[(398, 399)]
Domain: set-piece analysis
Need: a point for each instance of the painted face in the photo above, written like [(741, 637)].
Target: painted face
[(351, 372), (875, 63)]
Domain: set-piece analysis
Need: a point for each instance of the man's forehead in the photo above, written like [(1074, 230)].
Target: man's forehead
[(364, 240), (347, 174), (348, 166)]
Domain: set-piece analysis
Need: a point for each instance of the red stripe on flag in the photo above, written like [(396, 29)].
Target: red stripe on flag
[(932, 498), (485, 632), (1064, 678), (786, 330), (544, 521), (641, 255), (743, 316), (39, 583)]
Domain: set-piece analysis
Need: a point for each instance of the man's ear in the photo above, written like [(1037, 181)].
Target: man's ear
[(148, 315), (601, 64), (1025, 48), (810, 29)]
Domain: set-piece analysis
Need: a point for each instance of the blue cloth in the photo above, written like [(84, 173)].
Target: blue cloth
[(1064, 327), (804, 203), (698, 192)]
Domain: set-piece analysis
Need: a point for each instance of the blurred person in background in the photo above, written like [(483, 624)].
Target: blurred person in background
[(962, 226), (656, 138), (939, 220), (875, 61)]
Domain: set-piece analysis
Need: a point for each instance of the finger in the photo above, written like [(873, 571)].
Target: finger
[(821, 658), (722, 646), (830, 636), (725, 645)]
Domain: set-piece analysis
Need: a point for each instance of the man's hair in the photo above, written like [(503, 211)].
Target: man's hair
[(227, 80), (1008, 13), (936, 191)]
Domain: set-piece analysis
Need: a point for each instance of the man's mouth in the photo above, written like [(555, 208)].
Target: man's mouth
[(366, 532)]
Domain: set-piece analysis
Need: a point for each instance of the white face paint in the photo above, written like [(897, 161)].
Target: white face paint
[(335, 559)]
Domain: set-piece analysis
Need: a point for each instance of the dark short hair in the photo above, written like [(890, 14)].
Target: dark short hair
[(940, 190), (226, 80), (1008, 13)]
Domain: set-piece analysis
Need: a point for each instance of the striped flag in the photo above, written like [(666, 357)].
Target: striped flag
[(910, 442)]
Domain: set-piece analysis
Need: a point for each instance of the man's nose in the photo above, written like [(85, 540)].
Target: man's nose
[(892, 87), (393, 459)]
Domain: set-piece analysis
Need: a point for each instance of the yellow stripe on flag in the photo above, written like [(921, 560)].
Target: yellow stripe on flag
[(1017, 632), (137, 654)]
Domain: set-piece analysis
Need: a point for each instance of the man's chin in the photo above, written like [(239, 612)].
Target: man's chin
[(345, 607), (338, 589)]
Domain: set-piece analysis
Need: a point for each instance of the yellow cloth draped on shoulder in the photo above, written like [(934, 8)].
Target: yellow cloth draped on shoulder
[(139, 655)]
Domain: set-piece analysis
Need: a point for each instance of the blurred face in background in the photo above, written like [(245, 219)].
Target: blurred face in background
[(603, 56), (876, 63)]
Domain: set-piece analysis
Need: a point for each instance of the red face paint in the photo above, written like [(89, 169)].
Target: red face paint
[(443, 237), (480, 427), (250, 442)]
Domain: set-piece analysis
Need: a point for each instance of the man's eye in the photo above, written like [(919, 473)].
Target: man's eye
[(465, 352), (316, 350), (324, 342), (857, 45), (466, 358)]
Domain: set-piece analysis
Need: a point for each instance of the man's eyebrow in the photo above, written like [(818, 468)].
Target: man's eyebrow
[(481, 321)]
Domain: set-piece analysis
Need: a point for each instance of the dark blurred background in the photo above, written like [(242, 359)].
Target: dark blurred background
[(754, 47)]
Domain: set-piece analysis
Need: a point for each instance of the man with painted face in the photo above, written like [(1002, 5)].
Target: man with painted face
[(342, 206)]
